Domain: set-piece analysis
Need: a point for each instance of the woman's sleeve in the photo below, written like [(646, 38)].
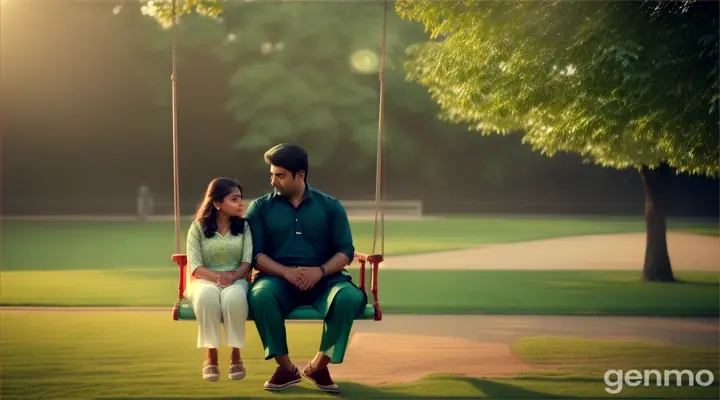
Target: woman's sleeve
[(194, 247), (247, 245)]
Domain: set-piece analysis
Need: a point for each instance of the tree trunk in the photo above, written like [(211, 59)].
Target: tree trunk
[(657, 266)]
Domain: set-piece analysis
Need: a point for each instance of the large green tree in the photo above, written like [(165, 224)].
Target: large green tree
[(625, 84)]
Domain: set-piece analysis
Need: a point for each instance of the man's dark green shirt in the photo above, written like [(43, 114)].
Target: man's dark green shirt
[(308, 235)]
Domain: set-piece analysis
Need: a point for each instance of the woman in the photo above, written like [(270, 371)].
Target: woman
[(219, 250)]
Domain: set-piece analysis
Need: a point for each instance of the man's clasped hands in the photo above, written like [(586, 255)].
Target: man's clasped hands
[(303, 278)]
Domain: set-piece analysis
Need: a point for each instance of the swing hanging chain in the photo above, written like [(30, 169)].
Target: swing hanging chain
[(173, 78), (379, 168)]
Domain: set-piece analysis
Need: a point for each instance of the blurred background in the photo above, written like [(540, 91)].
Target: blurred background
[(86, 121)]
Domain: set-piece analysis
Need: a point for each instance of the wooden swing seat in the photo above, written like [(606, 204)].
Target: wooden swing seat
[(182, 310)]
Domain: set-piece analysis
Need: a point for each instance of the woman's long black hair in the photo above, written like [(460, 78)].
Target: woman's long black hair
[(207, 213)]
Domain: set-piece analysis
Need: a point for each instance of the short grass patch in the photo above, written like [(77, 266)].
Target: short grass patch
[(144, 355), (403, 291), (666, 370), (703, 230), (65, 245)]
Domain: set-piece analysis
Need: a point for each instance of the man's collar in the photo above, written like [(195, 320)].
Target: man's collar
[(308, 192), (307, 195)]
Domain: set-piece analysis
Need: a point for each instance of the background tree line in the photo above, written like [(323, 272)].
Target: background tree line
[(87, 117)]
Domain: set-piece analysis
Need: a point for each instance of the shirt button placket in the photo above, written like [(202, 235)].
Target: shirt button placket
[(225, 250)]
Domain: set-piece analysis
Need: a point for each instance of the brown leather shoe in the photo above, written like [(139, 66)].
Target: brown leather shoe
[(283, 378), (321, 378)]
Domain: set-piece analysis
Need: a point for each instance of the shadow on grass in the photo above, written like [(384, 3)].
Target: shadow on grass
[(350, 390), (484, 388), (681, 281), (491, 389)]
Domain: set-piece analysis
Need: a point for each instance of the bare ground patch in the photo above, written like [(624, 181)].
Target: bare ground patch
[(605, 252), (391, 358)]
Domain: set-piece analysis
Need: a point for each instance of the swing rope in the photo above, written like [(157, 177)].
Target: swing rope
[(379, 167), (173, 78)]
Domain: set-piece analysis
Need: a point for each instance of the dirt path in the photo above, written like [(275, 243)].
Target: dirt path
[(498, 328), (508, 328), (613, 252)]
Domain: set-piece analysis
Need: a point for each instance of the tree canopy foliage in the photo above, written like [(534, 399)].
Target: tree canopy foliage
[(623, 83), (305, 72), (163, 11)]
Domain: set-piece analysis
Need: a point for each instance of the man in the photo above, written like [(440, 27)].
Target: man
[(302, 244)]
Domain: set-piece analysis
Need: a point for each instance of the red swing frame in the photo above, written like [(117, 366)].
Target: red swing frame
[(363, 259)]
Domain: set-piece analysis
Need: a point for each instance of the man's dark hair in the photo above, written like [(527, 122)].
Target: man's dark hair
[(289, 156)]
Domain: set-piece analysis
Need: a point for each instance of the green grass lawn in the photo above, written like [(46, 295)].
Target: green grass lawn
[(447, 292), (66, 245), (128, 263), (703, 230), (143, 355)]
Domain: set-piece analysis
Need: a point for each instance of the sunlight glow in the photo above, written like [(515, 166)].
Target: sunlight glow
[(268, 47), (148, 9), (364, 61), (569, 70)]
